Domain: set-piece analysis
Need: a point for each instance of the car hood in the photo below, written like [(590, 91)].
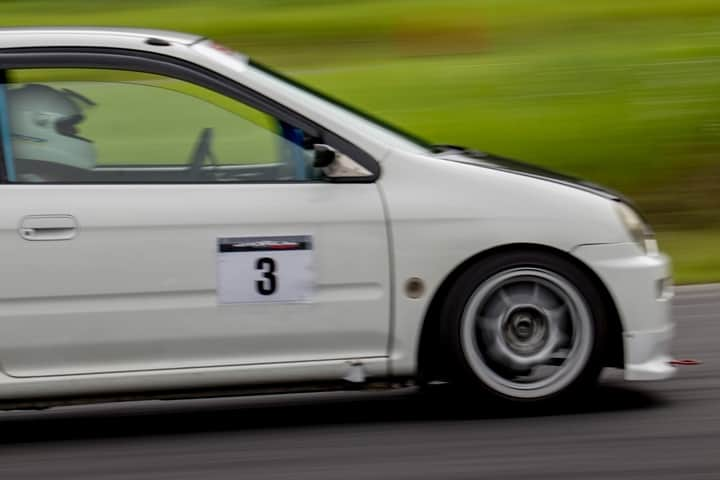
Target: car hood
[(496, 162)]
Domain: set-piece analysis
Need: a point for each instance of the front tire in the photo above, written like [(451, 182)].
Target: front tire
[(525, 326)]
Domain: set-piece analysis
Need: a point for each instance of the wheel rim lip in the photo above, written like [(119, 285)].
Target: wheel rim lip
[(577, 356)]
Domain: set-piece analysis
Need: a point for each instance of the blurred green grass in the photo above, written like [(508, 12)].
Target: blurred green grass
[(622, 92), (695, 254)]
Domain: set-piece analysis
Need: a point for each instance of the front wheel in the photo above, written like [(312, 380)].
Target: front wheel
[(525, 326)]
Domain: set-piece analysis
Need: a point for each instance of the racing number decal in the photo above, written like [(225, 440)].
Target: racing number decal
[(269, 284), (265, 269)]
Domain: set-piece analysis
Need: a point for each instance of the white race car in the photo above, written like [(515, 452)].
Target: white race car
[(178, 220)]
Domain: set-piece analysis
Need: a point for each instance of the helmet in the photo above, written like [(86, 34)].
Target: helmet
[(43, 126)]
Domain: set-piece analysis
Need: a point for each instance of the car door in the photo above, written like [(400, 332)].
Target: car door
[(148, 223)]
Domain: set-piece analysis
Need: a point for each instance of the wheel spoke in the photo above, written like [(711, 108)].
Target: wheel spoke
[(556, 314), (558, 358), (505, 298), (560, 317), (535, 299), (490, 327), (495, 307), (544, 297), (510, 364)]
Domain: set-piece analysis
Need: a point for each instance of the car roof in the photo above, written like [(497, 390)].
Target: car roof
[(84, 36)]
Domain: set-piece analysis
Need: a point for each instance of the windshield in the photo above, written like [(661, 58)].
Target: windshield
[(381, 130)]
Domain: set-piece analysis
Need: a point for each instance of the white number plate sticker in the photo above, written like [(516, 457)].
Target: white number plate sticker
[(265, 269)]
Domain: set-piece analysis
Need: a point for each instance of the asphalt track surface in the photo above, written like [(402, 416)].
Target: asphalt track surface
[(657, 430)]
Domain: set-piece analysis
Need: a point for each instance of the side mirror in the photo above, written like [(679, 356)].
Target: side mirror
[(325, 155)]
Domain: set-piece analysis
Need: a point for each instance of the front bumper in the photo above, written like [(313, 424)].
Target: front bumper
[(641, 288)]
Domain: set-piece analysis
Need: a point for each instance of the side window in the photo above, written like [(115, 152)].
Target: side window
[(108, 126)]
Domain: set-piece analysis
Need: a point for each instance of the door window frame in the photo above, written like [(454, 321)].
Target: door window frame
[(177, 68)]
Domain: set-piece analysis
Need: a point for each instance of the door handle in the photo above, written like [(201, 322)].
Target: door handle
[(48, 227)]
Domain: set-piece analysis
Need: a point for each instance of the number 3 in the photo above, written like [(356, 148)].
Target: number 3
[(269, 284)]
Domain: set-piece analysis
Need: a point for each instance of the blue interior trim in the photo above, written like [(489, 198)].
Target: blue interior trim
[(295, 136), (5, 136)]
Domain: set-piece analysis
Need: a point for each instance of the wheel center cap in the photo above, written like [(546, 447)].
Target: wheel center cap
[(525, 330), (523, 326)]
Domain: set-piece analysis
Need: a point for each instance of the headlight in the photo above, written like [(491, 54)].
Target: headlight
[(640, 231)]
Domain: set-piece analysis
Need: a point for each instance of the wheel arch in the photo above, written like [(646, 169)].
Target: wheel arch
[(432, 365)]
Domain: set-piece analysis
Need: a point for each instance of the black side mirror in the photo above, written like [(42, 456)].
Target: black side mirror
[(325, 155)]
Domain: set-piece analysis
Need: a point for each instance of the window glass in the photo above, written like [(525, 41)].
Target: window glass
[(107, 126)]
